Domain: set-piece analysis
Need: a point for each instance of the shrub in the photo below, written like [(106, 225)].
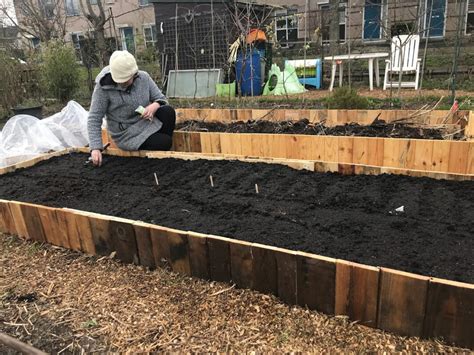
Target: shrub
[(11, 89), (346, 98), (60, 72)]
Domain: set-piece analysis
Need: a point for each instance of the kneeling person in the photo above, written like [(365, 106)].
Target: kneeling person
[(137, 113)]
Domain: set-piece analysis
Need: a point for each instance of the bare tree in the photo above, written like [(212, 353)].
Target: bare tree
[(43, 19), (97, 20)]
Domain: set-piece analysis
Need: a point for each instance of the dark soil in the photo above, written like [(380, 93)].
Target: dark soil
[(347, 217), (378, 128)]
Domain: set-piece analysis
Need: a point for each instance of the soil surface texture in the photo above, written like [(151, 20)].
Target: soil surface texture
[(348, 217), (378, 128)]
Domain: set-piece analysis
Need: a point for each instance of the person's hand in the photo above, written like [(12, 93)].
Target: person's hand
[(150, 110), (96, 156)]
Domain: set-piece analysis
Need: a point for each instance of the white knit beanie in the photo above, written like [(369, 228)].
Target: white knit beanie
[(123, 66)]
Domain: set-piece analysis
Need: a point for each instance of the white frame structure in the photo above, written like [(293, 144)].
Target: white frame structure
[(467, 16)]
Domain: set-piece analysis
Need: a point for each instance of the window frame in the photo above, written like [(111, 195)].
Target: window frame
[(153, 34), (279, 14), (321, 4), (467, 16), (425, 23), (383, 23), (76, 9)]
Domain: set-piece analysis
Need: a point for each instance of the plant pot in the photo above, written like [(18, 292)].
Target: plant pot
[(36, 111)]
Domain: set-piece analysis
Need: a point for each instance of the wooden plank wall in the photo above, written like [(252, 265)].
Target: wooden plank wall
[(415, 154), (331, 117), (396, 301)]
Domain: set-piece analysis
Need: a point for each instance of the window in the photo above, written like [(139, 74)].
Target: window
[(286, 27), (77, 38), (470, 17), (435, 12), (93, 2), (143, 2), (374, 18), (325, 18), (149, 33), (72, 8), (127, 39), (35, 42), (47, 8)]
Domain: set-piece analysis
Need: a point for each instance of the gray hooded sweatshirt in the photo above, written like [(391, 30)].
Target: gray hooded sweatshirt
[(127, 128)]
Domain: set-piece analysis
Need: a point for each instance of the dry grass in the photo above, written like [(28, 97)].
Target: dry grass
[(58, 300)]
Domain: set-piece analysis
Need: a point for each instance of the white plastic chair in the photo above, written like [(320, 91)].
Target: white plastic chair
[(404, 59)]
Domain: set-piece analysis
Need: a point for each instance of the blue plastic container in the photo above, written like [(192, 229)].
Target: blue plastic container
[(248, 71)]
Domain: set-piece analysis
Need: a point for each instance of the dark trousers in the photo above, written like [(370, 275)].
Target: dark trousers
[(163, 139)]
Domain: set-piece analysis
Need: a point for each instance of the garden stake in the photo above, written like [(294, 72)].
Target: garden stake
[(212, 181), (256, 188), (156, 179)]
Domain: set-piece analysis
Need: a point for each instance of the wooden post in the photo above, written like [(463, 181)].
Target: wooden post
[(199, 255)]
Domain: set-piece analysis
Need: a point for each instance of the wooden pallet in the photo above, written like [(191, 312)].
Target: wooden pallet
[(396, 301)]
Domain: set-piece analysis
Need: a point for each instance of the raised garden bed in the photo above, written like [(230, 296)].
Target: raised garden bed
[(351, 217), (347, 217), (377, 128)]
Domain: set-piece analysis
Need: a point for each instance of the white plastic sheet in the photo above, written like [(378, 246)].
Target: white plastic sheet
[(24, 137)]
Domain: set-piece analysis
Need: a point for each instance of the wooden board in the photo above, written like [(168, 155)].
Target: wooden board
[(78, 228), (219, 258), (357, 289), (160, 246), (242, 264), (33, 223), (7, 223), (331, 117), (122, 235), (179, 252), (450, 312), (17, 215), (55, 228), (402, 301), (144, 245), (100, 232), (198, 255), (412, 154), (316, 282), (287, 276), (265, 277)]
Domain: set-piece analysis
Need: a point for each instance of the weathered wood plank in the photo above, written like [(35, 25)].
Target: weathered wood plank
[(144, 245), (198, 255), (357, 289), (160, 246), (32, 220), (219, 258), (179, 252), (316, 282), (265, 278), (242, 264), (450, 312), (402, 300), (7, 224), (287, 276)]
